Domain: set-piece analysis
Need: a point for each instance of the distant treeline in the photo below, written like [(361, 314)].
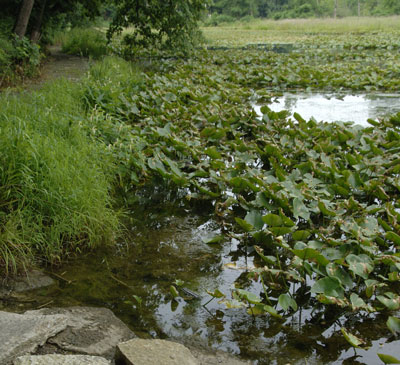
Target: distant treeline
[(280, 9)]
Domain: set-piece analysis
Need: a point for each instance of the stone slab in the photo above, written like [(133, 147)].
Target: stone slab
[(22, 334), (61, 360), (154, 352), (90, 331)]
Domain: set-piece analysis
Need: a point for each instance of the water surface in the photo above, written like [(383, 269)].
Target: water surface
[(336, 107)]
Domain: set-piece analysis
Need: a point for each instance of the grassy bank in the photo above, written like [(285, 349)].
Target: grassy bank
[(55, 180), (297, 30)]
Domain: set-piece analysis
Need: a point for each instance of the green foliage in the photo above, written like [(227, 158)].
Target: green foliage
[(85, 42), (54, 180), (157, 23)]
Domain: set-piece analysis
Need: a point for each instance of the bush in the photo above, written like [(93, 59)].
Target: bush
[(217, 19), (85, 42)]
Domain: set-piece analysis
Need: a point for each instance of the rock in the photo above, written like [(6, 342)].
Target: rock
[(61, 360), (154, 352), (33, 279), (22, 334), (90, 331)]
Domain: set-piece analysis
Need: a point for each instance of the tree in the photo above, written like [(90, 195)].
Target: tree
[(23, 18), (171, 23)]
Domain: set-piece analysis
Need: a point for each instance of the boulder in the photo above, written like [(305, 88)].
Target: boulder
[(61, 360), (154, 352), (22, 334), (90, 331)]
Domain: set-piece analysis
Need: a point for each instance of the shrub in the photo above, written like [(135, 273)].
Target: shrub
[(85, 42)]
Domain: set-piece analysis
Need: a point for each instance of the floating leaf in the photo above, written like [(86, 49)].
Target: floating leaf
[(352, 340), (388, 359), (328, 286), (361, 265), (214, 239), (216, 294), (273, 220), (248, 296), (255, 219), (393, 324), (174, 291), (286, 302), (300, 210), (390, 300)]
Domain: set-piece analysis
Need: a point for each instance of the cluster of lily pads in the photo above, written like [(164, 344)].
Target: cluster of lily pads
[(319, 202)]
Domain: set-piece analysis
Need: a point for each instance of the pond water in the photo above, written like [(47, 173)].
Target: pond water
[(167, 244), (336, 107)]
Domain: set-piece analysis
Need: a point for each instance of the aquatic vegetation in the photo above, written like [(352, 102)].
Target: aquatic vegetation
[(318, 202)]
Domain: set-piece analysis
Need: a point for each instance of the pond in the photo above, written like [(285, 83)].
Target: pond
[(167, 244), (337, 107)]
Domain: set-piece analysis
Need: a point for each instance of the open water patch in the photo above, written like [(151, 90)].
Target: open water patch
[(337, 107)]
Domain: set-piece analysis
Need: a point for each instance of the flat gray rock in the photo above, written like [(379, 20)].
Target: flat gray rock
[(33, 279), (90, 331), (154, 352), (22, 334), (61, 360)]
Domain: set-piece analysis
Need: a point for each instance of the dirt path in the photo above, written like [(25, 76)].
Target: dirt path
[(59, 65)]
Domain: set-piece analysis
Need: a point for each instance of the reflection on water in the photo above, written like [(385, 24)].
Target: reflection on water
[(334, 107)]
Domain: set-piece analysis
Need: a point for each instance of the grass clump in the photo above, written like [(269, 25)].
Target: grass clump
[(55, 180), (85, 42)]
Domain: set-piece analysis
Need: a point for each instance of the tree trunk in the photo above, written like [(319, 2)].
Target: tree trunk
[(23, 17), (358, 8), (335, 10), (36, 30)]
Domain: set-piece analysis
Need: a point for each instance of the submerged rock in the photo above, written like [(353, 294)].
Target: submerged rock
[(91, 331), (61, 360), (33, 279), (154, 352)]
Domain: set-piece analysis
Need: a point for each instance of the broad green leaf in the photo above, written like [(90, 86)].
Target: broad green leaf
[(388, 359), (216, 294), (394, 237), (174, 291), (301, 235), (255, 219), (247, 227), (214, 239), (286, 302), (335, 270), (300, 210), (393, 324), (351, 339), (390, 300), (248, 296), (361, 265), (273, 220), (272, 311), (328, 286)]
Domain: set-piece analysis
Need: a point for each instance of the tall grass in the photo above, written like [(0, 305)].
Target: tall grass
[(55, 180), (88, 42)]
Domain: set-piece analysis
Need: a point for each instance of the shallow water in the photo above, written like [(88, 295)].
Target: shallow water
[(166, 245), (336, 107)]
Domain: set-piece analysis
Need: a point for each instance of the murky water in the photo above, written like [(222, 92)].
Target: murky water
[(335, 107), (166, 245)]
